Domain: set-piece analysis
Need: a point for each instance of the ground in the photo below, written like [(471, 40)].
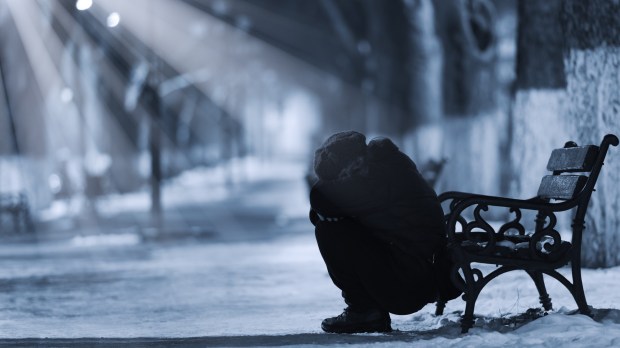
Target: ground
[(251, 276)]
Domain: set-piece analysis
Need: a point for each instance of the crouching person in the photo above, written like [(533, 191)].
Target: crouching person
[(379, 228)]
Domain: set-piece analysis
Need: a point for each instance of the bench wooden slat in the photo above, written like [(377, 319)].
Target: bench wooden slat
[(573, 159), (561, 186)]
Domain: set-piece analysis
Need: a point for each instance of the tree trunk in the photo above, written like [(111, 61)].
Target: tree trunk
[(540, 62), (468, 128), (468, 35), (568, 67), (386, 62), (152, 97), (592, 37), (537, 122), (424, 64)]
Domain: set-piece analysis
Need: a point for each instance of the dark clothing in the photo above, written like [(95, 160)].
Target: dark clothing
[(392, 201), (382, 251), (372, 274)]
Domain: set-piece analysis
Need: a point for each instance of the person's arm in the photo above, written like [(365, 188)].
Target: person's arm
[(346, 197)]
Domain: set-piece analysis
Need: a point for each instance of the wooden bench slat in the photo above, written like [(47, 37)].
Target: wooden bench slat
[(573, 159), (561, 186)]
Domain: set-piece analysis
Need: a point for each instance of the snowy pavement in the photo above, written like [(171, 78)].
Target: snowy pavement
[(261, 293), (270, 289)]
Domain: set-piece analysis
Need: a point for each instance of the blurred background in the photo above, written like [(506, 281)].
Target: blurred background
[(161, 118)]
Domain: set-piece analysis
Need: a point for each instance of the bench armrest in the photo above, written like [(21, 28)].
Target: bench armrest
[(482, 203), (455, 195), (474, 198), (534, 203)]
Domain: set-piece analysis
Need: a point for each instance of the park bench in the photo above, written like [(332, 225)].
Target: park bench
[(510, 246), (431, 171), (16, 206)]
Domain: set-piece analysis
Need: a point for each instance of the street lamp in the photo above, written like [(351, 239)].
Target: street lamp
[(83, 5)]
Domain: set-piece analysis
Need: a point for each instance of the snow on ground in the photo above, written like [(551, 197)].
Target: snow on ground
[(269, 288), (259, 288), (270, 292)]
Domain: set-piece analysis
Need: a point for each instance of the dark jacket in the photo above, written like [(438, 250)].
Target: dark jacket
[(391, 200)]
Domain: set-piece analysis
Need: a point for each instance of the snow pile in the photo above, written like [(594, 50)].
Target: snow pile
[(553, 330)]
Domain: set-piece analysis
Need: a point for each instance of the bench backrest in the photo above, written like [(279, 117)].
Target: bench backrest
[(573, 159)]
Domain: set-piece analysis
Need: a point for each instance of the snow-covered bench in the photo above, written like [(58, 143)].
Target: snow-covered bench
[(472, 239)]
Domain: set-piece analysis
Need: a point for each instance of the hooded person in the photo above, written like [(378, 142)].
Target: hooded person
[(379, 227)]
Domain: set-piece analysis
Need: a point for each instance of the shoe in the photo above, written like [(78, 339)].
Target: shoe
[(353, 321)]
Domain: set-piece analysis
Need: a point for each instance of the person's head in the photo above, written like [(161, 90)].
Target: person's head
[(340, 155), (380, 147)]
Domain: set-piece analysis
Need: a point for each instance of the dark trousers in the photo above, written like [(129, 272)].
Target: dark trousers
[(372, 273)]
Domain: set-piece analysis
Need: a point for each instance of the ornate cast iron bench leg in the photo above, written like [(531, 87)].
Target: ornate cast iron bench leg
[(578, 293), (470, 296), (538, 279)]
